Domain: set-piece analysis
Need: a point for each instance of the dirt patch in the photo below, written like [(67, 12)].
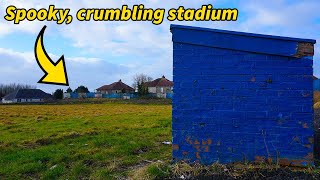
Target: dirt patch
[(5, 122), (140, 150), (43, 141)]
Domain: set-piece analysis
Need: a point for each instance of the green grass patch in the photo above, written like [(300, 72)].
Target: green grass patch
[(74, 141)]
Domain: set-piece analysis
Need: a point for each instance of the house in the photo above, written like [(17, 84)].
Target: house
[(115, 88), (160, 86), (26, 95)]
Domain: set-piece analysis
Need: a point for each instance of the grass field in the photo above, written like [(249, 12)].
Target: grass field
[(107, 140), (97, 141)]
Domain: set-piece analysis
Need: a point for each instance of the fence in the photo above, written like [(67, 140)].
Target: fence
[(120, 96), (112, 96), (169, 95)]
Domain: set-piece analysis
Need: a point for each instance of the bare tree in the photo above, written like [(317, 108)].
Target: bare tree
[(139, 81), (6, 89)]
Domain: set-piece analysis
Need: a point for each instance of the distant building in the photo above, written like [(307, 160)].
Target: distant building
[(160, 86), (26, 95), (115, 88)]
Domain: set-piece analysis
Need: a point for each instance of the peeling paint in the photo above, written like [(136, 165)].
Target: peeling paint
[(196, 142), (304, 49), (209, 141), (259, 159), (206, 149), (305, 125), (198, 155), (308, 146), (296, 139), (175, 147)]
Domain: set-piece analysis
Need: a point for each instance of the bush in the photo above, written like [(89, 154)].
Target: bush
[(58, 94), (81, 89)]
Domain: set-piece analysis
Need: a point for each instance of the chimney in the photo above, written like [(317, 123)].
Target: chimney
[(120, 80), (163, 76)]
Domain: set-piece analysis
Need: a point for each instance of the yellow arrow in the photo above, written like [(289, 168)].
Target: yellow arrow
[(55, 73)]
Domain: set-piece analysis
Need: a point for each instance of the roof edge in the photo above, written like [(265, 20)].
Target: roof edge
[(173, 26)]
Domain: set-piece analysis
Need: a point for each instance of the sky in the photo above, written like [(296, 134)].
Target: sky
[(99, 53)]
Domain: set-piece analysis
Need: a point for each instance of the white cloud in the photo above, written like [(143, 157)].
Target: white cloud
[(21, 67), (282, 17), (117, 38), (147, 47)]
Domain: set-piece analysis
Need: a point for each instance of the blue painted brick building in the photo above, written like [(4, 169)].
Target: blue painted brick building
[(316, 84), (241, 96)]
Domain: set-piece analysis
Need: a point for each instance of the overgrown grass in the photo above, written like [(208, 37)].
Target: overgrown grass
[(97, 141), (181, 170), (106, 140)]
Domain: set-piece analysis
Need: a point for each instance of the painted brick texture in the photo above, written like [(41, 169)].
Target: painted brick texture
[(233, 105)]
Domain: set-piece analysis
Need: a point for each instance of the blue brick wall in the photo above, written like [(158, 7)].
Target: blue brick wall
[(232, 105), (316, 85)]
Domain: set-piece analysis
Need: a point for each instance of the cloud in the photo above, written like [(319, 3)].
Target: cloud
[(116, 38), (284, 18), (281, 15), (21, 67), (25, 26), (118, 50)]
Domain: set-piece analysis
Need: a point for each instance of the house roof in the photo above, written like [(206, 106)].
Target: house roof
[(314, 78), (160, 82), (27, 94), (241, 41), (116, 86)]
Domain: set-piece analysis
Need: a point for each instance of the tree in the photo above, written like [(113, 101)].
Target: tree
[(6, 89), (58, 94), (81, 89), (139, 81), (69, 90)]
